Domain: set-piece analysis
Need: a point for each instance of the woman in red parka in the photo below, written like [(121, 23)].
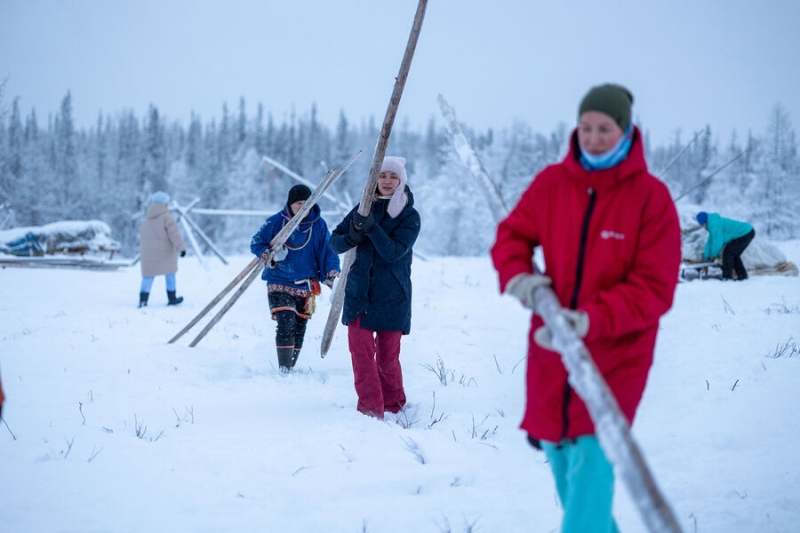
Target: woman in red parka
[(610, 239)]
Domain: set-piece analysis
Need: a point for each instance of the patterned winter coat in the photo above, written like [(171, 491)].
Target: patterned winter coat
[(160, 241), (721, 231), (379, 282), (612, 246), (309, 255)]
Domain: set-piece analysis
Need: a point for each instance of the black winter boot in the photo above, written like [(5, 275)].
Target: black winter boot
[(295, 355), (173, 300), (143, 296), (285, 359)]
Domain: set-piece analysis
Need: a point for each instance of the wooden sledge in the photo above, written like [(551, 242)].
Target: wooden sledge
[(61, 261), (713, 270), (705, 270)]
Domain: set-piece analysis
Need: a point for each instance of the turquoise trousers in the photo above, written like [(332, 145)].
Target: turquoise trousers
[(585, 484)]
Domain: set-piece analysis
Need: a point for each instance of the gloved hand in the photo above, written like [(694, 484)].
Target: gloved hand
[(521, 287), (354, 237), (278, 256), (183, 253), (330, 279), (363, 224), (579, 321)]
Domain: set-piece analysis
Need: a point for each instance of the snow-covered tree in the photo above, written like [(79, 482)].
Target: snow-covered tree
[(110, 171), (154, 166), (14, 159), (776, 190)]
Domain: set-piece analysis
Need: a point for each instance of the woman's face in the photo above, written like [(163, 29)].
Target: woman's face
[(388, 183), (295, 207), (598, 133)]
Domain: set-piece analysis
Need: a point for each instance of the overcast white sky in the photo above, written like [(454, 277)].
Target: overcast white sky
[(689, 63)]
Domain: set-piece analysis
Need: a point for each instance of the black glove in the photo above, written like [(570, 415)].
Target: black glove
[(354, 237), (183, 253), (363, 224), (329, 281), (533, 441)]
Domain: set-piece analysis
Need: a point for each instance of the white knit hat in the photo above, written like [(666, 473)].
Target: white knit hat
[(399, 198)]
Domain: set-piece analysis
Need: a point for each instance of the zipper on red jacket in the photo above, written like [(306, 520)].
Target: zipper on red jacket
[(573, 303)]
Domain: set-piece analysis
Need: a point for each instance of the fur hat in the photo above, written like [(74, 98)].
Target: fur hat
[(160, 198), (702, 217), (399, 198), (298, 193), (611, 99)]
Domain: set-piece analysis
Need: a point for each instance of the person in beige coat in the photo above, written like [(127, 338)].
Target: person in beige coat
[(160, 242)]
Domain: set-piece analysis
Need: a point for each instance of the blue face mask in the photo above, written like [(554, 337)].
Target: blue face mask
[(611, 158)]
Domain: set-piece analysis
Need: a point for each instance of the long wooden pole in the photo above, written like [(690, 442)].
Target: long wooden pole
[(275, 164), (699, 183), (225, 308), (185, 216), (678, 156), (372, 181), (216, 299), (470, 158)]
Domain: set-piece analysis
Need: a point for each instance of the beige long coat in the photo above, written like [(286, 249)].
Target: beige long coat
[(160, 241)]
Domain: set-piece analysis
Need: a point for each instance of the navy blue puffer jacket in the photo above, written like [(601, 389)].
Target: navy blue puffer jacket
[(379, 282)]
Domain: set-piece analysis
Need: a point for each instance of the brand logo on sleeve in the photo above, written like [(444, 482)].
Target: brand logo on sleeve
[(608, 234)]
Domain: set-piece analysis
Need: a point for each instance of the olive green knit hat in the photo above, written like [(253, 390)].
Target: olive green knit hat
[(611, 99)]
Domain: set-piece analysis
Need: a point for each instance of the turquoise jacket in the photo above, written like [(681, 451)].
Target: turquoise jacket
[(721, 231)]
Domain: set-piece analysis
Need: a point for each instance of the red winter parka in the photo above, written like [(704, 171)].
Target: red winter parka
[(612, 246)]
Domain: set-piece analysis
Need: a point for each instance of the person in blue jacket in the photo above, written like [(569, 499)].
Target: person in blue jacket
[(294, 273), (729, 236), (377, 302)]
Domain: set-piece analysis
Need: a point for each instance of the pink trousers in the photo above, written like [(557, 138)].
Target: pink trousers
[(376, 369)]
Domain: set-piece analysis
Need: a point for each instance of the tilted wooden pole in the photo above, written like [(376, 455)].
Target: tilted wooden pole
[(184, 212), (232, 300), (702, 181), (294, 175), (216, 299), (188, 230), (375, 170), (470, 158), (678, 155)]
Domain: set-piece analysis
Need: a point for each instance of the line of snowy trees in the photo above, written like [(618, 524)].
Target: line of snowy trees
[(55, 171)]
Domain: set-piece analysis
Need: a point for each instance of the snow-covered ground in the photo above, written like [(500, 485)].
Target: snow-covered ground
[(111, 429)]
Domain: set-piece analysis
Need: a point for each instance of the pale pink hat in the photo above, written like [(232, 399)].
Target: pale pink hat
[(399, 198)]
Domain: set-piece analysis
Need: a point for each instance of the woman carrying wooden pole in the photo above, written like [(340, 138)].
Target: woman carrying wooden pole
[(377, 162)]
